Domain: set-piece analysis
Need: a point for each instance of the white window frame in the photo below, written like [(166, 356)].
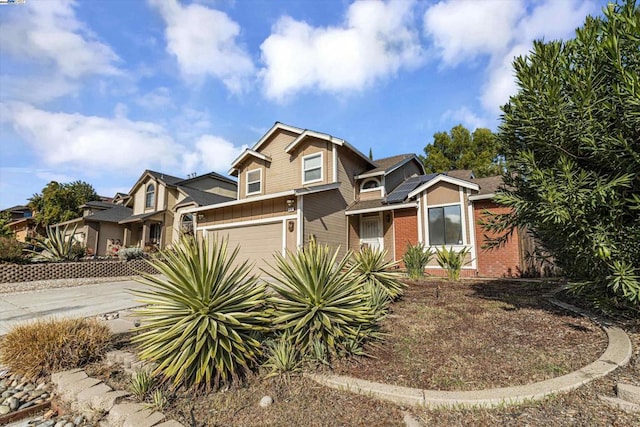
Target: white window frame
[(259, 170), (376, 188), (304, 158)]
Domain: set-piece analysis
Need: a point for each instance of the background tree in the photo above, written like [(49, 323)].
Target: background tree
[(60, 202), (5, 218), (572, 137), (460, 149)]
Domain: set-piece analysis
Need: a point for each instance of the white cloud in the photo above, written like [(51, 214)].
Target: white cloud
[(211, 153), (462, 30), (203, 40), (112, 145), (468, 118), (50, 32), (157, 98), (376, 40)]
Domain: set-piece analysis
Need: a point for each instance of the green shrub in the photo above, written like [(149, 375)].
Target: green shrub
[(282, 357), (141, 384), (318, 301), (375, 271), (452, 261), (415, 259), (56, 246), (202, 315), (128, 254), (45, 346), (10, 249)]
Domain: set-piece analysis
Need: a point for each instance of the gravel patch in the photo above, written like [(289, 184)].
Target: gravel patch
[(40, 285)]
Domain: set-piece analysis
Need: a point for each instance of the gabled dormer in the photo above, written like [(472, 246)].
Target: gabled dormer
[(389, 172), (288, 158)]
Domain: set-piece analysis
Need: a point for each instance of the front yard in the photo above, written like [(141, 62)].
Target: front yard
[(441, 335)]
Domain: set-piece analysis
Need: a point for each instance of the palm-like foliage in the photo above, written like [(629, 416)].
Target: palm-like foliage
[(318, 300), (58, 245), (376, 271), (415, 259), (203, 314), (452, 261)]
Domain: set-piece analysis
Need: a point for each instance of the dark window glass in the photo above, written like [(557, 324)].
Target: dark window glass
[(445, 226)]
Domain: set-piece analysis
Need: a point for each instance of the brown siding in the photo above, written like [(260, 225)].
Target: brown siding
[(370, 195), (324, 218), (245, 212), (387, 227), (443, 193), (354, 232), (396, 177)]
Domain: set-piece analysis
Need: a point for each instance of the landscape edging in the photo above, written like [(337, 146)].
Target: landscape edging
[(618, 353)]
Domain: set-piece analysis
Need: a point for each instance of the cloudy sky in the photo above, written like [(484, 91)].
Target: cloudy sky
[(102, 90)]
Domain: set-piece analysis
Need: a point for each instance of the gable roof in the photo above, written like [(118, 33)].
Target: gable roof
[(444, 178), (114, 214), (401, 192), (167, 179), (214, 175), (200, 198), (386, 165), (466, 174), (302, 135), (99, 204)]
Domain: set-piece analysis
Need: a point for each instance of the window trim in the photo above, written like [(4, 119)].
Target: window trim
[(376, 188), (150, 203), (259, 180), (462, 225), (304, 158)]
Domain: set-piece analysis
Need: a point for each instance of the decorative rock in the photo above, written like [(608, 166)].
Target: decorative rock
[(78, 420), (61, 423), (19, 395), (48, 423), (13, 403), (29, 387), (266, 401), (27, 405), (69, 425), (4, 409)]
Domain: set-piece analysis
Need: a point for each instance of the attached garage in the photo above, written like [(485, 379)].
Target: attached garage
[(257, 242)]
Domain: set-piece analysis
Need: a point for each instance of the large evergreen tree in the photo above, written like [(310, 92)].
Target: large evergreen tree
[(572, 138), (461, 149), (60, 202)]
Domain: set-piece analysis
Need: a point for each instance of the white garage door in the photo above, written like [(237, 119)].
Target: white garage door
[(257, 243)]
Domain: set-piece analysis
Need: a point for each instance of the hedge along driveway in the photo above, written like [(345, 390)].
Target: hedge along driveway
[(80, 301)]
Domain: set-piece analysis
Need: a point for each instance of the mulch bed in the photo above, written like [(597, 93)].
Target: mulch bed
[(475, 335)]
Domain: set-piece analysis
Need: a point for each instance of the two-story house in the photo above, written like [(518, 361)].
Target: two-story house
[(151, 215), (295, 184)]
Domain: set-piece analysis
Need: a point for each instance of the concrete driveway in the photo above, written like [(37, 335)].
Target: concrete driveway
[(79, 301)]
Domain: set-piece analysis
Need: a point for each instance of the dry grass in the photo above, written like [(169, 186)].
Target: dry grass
[(45, 346), (475, 335)]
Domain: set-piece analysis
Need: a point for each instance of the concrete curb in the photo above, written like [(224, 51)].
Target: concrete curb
[(618, 353), (95, 399)]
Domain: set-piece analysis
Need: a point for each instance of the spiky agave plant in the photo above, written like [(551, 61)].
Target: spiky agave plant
[(375, 270), (318, 301), (56, 246), (452, 261), (202, 315)]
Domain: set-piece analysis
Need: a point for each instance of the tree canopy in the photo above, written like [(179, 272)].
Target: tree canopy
[(572, 138), (60, 202), (461, 149)]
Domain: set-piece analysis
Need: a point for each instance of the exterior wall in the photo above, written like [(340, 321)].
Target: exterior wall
[(502, 262), (405, 223), (387, 234), (161, 198), (324, 218), (262, 209), (396, 177), (370, 195), (166, 238), (108, 231), (212, 185), (291, 243), (354, 232), (443, 193)]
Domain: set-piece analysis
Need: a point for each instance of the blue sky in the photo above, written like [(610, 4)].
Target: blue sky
[(102, 90)]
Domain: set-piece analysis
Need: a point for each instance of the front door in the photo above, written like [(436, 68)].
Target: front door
[(371, 232)]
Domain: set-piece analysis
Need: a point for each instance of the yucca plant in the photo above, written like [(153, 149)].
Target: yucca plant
[(202, 315), (141, 384), (58, 245), (452, 261), (415, 259), (376, 271), (282, 357), (378, 300), (318, 300)]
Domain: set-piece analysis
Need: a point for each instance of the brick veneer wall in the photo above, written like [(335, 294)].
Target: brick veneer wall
[(405, 223), (10, 273), (504, 261)]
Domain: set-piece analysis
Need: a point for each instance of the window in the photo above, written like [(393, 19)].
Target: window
[(186, 224), (370, 184), (445, 226), (312, 168), (254, 181), (151, 196)]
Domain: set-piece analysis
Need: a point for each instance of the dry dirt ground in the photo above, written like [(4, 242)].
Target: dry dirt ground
[(448, 336)]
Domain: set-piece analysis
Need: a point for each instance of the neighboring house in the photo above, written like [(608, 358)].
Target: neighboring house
[(21, 224), (296, 184), (151, 215)]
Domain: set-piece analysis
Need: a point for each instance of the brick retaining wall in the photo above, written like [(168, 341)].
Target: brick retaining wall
[(11, 273)]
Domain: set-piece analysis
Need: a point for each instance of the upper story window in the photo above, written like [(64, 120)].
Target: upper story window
[(150, 196), (312, 168), (370, 184), (254, 181), (445, 226)]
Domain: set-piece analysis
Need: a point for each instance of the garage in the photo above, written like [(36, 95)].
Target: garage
[(257, 243)]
